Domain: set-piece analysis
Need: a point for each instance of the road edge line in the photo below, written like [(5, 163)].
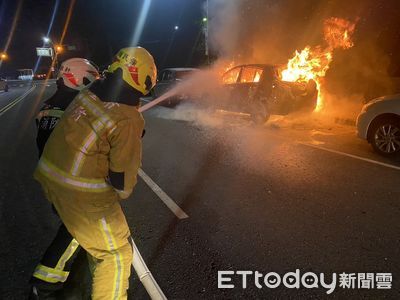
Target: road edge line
[(163, 196)]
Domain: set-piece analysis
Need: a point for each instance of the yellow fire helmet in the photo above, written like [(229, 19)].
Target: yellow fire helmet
[(138, 68)]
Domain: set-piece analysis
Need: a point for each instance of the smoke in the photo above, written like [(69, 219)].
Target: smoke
[(269, 32), (261, 31), (256, 31)]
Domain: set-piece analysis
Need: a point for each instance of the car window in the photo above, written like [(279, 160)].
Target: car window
[(161, 75), (250, 74), (168, 76), (231, 76), (182, 74)]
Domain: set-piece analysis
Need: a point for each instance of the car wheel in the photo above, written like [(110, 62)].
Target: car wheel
[(312, 95), (260, 114), (385, 136)]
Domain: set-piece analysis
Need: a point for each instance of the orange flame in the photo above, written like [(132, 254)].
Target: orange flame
[(312, 64), (338, 33)]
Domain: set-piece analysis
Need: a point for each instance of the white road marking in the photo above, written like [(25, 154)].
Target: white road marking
[(352, 156), (163, 196), (10, 105)]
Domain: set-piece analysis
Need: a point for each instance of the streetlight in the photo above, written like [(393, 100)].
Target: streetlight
[(55, 49), (3, 56), (59, 49), (206, 28), (176, 27)]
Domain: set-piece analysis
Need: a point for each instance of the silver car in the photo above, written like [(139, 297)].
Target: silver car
[(167, 79), (379, 124)]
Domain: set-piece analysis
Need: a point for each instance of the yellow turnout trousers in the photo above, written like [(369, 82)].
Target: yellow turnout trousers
[(104, 234)]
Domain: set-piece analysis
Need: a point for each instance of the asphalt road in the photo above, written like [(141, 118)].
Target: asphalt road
[(286, 196)]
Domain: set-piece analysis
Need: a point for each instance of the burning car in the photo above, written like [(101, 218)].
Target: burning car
[(257, 89)]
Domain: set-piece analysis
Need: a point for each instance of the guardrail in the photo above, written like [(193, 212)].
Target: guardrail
[(22, 83)]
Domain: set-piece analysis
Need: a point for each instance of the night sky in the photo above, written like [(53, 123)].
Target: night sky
[(99, 28)]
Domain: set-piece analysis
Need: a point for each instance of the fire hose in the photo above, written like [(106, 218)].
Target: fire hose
[(138, 263), (145, 276)]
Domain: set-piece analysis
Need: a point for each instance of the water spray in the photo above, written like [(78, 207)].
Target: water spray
[(160, 99)]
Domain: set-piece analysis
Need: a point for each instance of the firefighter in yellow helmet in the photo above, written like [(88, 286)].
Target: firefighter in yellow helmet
[(90, 162)]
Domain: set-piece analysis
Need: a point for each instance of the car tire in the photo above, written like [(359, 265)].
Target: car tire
[(384, 136), (312, 95), (260, 114)]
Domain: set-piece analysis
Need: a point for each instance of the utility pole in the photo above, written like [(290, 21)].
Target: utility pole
[(205, 28)]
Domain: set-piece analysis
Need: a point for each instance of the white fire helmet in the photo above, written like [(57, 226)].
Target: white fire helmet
[(77, 73)]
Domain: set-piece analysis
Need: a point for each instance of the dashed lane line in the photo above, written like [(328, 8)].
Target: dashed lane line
[(163, 196)]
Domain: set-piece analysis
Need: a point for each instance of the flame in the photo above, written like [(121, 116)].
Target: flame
[(313, 63), (257, 76), (338, 33), (306, 65), (227, 66)]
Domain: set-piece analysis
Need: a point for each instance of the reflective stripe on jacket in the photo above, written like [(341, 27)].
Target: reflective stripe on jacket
[(92, 139)]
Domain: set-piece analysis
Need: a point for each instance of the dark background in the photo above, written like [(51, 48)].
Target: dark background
[(99, 28), (256, 30)]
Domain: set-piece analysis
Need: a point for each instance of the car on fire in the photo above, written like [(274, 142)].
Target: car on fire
[(379, 124), (257, 89), (3, 85), (167, 79)]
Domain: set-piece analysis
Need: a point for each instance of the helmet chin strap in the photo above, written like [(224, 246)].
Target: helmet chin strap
[(114, 89)]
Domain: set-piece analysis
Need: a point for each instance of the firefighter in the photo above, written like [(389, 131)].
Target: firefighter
[(90, 162), (74, 75)]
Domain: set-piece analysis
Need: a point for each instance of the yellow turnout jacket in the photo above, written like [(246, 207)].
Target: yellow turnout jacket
[(92, 138)]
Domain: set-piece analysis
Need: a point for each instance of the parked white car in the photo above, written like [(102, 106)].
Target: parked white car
[(379, 124)]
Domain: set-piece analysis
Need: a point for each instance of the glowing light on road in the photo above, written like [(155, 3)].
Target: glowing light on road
[(140, 22)]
